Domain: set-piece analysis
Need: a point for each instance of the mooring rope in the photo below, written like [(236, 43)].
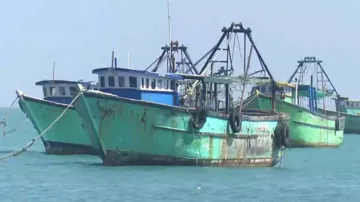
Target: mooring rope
[(3, 121), (29, 144)]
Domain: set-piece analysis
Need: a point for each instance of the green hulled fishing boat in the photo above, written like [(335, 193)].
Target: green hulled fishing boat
[(143, 120), (308, 127), (67, 135), (350, 109)]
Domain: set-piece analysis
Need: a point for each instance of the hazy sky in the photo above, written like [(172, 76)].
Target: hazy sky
[(80, 35)]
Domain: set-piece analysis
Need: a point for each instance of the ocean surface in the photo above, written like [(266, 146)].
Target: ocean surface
[(305, 175)]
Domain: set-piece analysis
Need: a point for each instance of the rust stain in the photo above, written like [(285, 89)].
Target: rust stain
[(224, 148), (114, 158), (210, 147)]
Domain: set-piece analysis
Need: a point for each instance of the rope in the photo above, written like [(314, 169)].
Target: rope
[(29, 144), (3, 121)]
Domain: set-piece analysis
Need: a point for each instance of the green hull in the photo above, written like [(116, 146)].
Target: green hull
[(352, 122), (67, 136), (135, 132), (307, 129)]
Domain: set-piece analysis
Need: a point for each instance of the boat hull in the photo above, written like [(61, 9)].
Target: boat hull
[(135, 132), (352, 122), (307, 129), (66, 136)]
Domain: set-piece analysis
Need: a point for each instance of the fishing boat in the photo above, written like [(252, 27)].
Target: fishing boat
[(308, 127), (153, 124), (350, 109), (67, 135)]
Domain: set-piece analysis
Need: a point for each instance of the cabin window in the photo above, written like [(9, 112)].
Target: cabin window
[(153, 84), (111, 81), (147, 83), (102, 81), (133, 82), (142, 83), (52, 91), (159, 85), (342, 103), (72, 90), (45, 91), (62, 91), (263, 89), (95, 88), (121, 81), (172, 85), (167, 84)]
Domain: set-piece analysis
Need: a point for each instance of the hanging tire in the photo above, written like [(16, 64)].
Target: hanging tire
[(282, 134), (235, 120), (285, 135), (337, 124), (198, 120)]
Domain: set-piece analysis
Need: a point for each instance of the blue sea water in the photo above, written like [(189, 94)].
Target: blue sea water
[(305, 175)]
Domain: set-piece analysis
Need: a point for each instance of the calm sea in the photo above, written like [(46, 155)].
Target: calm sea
[(305, 175)]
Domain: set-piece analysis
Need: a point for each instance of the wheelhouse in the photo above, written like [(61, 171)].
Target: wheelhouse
[(212, 93), (62, 91), (139, 84), (285, 91)]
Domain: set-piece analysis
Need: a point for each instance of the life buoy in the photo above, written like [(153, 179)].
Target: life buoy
[(199, 118), (235, 120)]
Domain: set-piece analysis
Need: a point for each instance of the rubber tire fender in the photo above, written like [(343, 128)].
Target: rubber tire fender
[(235, 120)]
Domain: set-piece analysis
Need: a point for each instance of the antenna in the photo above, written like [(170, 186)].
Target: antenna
[(169, 27), (53, 76), (112, 59), (128, 66)]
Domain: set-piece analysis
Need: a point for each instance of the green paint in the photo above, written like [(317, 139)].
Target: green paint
[(66, 136), (352, 121), (134, 131), (307, 129)]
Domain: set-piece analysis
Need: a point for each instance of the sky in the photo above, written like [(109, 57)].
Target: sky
[(80, 35)]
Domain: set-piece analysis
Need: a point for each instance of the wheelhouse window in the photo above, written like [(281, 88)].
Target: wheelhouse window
[(95, 88), (153, 84), (111, 81), (142, 83), (72, 90), (172, 86), (62, 91), (121, 81), (167, 84), (102, 81), (342, 103), (133, 82), (147, 83), (52, 91), (159, 84), (45, 91)]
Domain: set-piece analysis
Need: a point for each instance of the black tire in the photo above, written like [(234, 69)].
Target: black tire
[(235, 119), (199, 119), (285, 135), (337, 124)]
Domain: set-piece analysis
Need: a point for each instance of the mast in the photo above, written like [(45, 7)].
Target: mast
[(323, 82), (185, 60), (53, 73), (220, 60)]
